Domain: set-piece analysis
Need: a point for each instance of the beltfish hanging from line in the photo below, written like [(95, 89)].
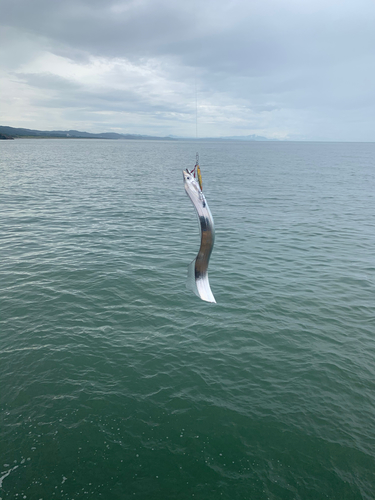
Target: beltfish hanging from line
[(197, 273)]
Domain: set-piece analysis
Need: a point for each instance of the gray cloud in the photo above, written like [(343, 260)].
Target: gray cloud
[(63, 93), (281, 68)]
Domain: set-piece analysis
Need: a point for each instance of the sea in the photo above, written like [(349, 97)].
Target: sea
[(117, 383)]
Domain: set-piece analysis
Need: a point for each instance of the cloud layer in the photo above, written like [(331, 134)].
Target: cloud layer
[(280, 68)]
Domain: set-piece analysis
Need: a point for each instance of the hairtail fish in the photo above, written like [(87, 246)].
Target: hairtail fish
[(197, 272)]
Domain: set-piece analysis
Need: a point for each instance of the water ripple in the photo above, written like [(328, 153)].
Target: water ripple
[(118, 382)]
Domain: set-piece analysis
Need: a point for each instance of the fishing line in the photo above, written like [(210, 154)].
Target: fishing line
[(196, 107), (197, 171)]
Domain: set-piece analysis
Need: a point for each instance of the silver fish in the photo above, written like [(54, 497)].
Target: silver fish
[(197, 273)]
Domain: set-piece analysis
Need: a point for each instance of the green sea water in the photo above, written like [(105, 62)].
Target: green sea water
[(116, 382)]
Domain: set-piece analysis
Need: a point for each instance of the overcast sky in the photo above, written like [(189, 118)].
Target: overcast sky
[(294, 69)]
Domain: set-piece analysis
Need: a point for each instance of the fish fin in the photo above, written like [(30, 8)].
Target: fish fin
[(190, 282)]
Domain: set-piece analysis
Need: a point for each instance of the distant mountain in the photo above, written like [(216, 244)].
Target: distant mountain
[(252, 137), (4, 137), (229, 138), (12, 132)]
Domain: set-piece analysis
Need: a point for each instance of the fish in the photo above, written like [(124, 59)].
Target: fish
[(198, 269)]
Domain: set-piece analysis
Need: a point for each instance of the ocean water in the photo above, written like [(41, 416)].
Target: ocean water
[(118, 383)]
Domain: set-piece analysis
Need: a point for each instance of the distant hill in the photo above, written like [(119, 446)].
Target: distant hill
[(12, 132), (228, 138), (252, 137), (4, 137)]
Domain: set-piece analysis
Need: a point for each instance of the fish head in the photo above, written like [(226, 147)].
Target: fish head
[(191, 184)]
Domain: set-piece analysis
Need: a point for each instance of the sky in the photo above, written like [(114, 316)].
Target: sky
[(283, 69)]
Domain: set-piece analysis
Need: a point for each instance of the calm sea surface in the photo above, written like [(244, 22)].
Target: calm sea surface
[(118, 383)]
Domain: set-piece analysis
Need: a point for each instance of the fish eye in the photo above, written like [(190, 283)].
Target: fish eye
[(187, 178)]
